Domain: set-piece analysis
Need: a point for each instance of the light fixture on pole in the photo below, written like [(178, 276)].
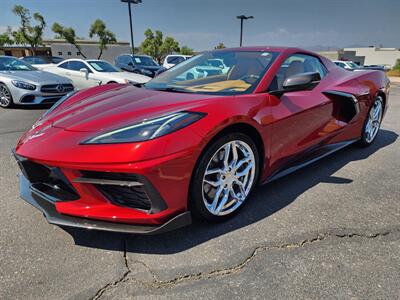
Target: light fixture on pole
[(242, 17), (130, 19)]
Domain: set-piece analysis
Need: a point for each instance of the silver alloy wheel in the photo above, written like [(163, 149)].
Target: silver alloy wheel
[(228, 178), (5, 96), (374, 121)]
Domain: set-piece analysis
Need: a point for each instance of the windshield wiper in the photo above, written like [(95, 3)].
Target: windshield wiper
[(172, 89)]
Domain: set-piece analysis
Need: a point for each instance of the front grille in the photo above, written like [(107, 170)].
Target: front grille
[(49, 181), (128, 196), (57, 88), (133, 197)]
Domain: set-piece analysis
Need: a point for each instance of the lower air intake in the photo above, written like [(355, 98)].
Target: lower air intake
[(122, 195)]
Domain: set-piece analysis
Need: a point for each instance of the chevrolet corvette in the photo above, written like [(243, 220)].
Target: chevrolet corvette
[(147, 158)]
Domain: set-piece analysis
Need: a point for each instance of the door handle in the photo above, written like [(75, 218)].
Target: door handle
[(67, 73)]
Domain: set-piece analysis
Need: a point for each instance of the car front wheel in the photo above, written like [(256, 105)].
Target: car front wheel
[(225, 176), (5, 96)]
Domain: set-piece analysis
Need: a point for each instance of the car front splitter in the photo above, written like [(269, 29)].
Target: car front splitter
[(53, 217)]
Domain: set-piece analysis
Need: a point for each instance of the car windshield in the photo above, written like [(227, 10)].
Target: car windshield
[(56, 60), (102, 66), (144, 61), (353, 65), (13, 64), (237, 72)]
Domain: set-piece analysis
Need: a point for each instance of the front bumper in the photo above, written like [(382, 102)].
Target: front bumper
[(48, 208), (37, 96)]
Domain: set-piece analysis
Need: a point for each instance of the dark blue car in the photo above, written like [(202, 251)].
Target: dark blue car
[(141, 64)]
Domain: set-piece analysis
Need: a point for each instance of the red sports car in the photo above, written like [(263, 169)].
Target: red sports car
[(194, 141)]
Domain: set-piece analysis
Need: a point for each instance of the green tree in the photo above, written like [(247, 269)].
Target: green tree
[(5, 38), (26, 33), (68, 34), (220, 46), (105, 36), (185, 50), (397, 66), (156, 46)]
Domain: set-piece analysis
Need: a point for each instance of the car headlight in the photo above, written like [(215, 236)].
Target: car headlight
[(148, 129), (23, 85)]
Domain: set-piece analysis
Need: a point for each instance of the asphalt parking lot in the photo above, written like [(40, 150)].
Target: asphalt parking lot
[(331, 230)]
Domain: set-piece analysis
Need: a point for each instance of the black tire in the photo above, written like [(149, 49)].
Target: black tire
[(364, 140), (196, 204), (4, 89)]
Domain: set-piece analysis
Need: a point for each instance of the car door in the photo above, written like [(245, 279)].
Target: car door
[(81, 79), (302, 119), (125, 63)]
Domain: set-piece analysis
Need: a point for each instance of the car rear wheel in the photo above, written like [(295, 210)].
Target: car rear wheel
[(372, 123), (5, 96), (225, 176)]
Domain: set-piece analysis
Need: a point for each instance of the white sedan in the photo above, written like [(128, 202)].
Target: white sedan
[(89, 73)]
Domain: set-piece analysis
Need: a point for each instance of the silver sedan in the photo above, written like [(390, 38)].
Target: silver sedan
[(21, 83)]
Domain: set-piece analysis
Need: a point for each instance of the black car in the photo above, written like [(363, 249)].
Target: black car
[(42, 60), (141, 64), (374, 67)]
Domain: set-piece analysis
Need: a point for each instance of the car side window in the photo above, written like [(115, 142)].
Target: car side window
[(75, 65), (125, 59), (175, 59), (64, 65), (297, 64)]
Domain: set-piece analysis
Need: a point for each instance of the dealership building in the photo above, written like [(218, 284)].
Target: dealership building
[(65, 50), (366, 55)]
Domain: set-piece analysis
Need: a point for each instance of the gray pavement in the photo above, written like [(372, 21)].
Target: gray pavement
[(331, 231)]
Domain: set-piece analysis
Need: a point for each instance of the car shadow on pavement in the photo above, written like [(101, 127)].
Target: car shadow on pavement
[(265, 201), (32, 107)]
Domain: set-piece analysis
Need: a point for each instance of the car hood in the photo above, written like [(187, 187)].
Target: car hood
[(113, 106), (36, 77), (125, 75)]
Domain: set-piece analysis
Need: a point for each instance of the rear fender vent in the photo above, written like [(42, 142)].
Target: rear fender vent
[(345, 105)]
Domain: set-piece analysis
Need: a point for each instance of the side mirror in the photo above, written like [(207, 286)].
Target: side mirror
[(85, 71), (299, 82)]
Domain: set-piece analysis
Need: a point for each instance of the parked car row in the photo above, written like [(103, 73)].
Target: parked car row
[(351, 66), (45, 79)]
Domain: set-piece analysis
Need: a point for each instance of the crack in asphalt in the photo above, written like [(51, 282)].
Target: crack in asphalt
[(123, 278), (158, 284)]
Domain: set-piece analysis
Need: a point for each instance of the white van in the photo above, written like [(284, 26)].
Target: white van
[(174, 59)]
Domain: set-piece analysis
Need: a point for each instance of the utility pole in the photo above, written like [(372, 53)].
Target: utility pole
[(130, 19), (242, 17)]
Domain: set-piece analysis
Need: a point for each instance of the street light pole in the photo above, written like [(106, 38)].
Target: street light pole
[(130, 19), (242, 17)]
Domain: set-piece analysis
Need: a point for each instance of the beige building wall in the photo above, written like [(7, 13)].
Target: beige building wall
[(377, 56), (332, 55)]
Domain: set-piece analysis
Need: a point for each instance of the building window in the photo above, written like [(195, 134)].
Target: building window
[(59, 53), (78, 53), (69, 53)]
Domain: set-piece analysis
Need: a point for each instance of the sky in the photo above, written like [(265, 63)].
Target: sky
[(202, 24)]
